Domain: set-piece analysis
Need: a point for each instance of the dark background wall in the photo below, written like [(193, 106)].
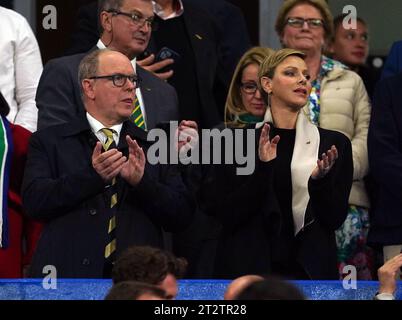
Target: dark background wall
[(250, 10), (53, 43), (6, 3)]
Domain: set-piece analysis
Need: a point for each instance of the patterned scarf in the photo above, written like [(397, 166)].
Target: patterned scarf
[(327, 65), (6, 148)]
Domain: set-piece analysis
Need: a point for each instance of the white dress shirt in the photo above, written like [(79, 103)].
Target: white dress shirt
[(20, 68), (97, 127), (138, 94)]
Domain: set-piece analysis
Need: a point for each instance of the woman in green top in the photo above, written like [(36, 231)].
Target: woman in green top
[(244, 103)]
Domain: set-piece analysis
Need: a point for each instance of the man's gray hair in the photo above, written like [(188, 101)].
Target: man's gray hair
[(89, 66), (106, 5)]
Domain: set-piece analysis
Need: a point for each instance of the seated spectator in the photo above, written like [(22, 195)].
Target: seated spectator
[(132, 290), (239, 284), (20, 68), (351, 47), (150, 265), (271, 288), (90, 182), (244, 104)]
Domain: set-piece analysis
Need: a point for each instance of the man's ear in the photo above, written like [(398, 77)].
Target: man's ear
[(106, 21), (88, 88), (266, 84)]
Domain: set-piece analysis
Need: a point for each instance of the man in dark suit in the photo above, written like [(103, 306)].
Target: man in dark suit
[(95, 204), (385, 159), (235, 39), (194, 35), (58, 95), (228, 17)]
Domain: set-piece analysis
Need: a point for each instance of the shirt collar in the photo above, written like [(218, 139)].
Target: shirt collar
[(178, 10), (97, 126), (101, 46)]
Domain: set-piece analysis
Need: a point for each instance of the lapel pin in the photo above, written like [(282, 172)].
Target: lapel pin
[(198, 36)]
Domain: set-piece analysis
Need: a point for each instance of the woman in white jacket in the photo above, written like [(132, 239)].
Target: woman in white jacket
[(338, 101)]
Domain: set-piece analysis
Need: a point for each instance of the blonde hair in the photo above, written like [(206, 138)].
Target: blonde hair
[(268, 67), (234, 104), (320, 5)]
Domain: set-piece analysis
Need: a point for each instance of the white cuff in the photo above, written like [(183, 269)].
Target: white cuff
[(384, 296)]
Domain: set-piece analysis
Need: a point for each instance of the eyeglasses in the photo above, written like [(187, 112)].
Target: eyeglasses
[(299, 23), (119, 80), (249, 87), (137, 19)]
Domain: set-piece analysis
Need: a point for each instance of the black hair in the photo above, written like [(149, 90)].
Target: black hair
[(273, 288)]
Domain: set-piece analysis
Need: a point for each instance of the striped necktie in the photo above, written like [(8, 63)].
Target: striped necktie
[(111, 242), (136, 116)]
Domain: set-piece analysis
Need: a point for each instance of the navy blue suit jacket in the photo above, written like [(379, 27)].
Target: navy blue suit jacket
[(62, 189), (385, 159)]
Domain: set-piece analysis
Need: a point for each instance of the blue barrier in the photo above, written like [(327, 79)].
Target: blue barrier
[(84, 289)]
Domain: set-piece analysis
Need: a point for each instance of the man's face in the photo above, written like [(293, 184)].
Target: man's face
[(351, 45), (111, 104), (128, 36), (305, 38)]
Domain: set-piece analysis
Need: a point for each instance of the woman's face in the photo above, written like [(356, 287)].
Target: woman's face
[(351, 45), (250, 95), (290, 86), (306, 37)]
